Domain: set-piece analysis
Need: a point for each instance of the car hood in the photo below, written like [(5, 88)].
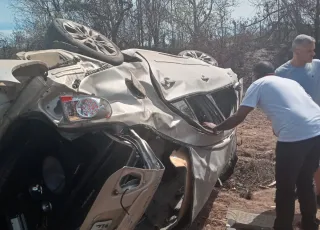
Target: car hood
[(177, 77)]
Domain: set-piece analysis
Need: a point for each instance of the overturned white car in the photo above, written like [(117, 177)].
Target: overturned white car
[(97, 138)]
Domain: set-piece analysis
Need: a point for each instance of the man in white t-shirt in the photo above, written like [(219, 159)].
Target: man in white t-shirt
[(295, 120)]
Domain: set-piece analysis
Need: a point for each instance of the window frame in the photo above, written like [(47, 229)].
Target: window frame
[(194, 121), (234, 107)]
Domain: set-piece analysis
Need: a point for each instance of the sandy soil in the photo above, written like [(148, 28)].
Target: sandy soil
[(255, 168)]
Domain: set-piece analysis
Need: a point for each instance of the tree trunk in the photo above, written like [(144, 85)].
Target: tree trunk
[(195, 24), (316, 22)]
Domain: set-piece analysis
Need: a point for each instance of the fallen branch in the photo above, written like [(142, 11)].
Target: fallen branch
[(271, 185)]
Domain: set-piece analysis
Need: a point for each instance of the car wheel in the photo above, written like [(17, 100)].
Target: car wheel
[(89, 42), (199, 55)]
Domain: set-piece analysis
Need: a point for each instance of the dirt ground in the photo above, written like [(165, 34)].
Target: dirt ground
[(255, 168)]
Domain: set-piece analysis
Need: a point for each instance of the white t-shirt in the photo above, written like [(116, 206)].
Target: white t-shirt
[(294, 115)]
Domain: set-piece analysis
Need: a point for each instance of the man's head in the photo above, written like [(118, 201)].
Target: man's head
[(303, 47), (263, 69)]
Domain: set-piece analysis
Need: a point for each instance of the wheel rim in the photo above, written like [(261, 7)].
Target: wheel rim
[(201, 56), (89, 38)]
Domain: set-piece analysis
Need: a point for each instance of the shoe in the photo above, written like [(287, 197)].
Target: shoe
[(298, 224)]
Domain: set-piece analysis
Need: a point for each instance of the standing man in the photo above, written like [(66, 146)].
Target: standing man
[(295, 119), (306, 71)]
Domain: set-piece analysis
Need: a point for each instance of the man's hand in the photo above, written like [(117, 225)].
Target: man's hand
[(211, 126)]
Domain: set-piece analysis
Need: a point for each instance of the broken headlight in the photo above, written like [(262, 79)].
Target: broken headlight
[(83, 107)]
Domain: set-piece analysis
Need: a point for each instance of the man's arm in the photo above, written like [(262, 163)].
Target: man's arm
[(250, 101), (235, 119)]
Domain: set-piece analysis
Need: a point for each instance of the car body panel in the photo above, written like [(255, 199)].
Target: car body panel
[(107, 205), (207, 164), (170, 73), (53, 57), (208, 153), (125, 205), (127, 109), (11, 69)]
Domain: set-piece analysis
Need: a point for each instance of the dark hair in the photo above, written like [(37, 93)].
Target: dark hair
[(263, 68)]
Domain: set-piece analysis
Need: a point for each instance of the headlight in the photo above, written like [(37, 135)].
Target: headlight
[(83, 107)]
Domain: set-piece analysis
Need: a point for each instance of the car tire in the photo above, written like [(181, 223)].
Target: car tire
[(199, 55), (90, 43)]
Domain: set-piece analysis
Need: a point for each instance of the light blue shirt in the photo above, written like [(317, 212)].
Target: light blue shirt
[(293, 113), (308, 77)]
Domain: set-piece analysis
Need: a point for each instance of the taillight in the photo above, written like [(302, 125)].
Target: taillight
[(83, 107)]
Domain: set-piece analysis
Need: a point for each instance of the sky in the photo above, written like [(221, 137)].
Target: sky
[(244, 10), (6, 17)]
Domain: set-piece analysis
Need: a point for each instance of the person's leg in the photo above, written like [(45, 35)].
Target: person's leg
[(305, 187), (317, 184), (289, 161)]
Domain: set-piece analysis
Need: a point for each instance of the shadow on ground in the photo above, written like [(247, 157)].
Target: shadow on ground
[(264, 221), (200, 221)]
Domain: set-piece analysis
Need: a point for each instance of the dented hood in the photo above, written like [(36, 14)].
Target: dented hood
[(177, 77)]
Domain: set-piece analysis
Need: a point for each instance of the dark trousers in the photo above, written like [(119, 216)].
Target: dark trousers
[(296, 163)]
